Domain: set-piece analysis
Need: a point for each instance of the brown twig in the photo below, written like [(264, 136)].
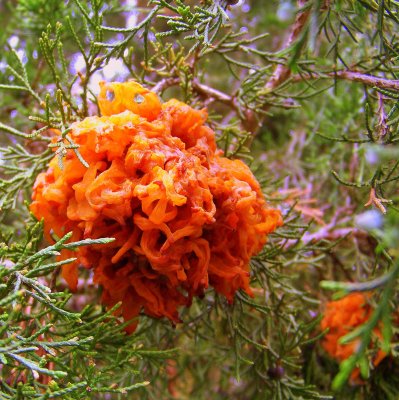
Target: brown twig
[(163, 84), (282, 71), (376, 201), (199, 88), (382, 126), (368, 80), (213, 93)]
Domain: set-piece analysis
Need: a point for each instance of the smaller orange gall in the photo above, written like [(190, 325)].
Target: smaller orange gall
[(342, 317)]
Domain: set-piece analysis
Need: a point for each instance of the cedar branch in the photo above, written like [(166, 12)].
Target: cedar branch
[(368, 80), (282, 71)]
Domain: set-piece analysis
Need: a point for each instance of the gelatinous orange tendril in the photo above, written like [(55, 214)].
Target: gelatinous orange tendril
[(182, 215)]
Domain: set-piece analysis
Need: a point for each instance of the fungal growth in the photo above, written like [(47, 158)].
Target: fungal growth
[(342, 317), (183, 216)]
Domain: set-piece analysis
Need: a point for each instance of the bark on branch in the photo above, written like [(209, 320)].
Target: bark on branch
[(283, 72), (354, 76)]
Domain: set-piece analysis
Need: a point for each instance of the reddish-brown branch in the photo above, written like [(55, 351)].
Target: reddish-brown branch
[(376, 201), (164, 84), (248, 117), (360, 77), (215, 94), (199, 88), (367, 79), (282, 71)]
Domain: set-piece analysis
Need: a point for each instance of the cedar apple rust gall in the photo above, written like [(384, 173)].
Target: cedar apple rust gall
[(342, 317), (183, 216)]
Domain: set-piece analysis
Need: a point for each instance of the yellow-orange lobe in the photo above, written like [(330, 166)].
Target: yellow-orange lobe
[(115, 97)]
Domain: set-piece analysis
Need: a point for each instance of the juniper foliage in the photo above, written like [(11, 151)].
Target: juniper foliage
[(307, 93)]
